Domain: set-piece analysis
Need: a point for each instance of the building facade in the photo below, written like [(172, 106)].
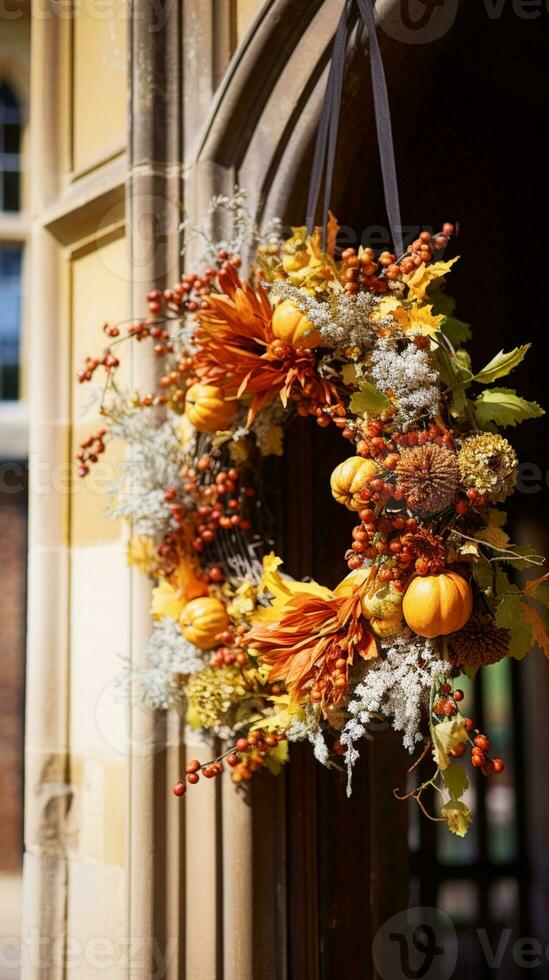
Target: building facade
[(141, 112)]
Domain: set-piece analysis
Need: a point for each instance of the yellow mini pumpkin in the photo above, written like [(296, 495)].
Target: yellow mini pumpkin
[(435, 605), (292, 326), (207, 409), (202, 620), (383, 608), (350, 477)]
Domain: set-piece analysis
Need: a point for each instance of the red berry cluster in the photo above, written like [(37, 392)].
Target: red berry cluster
[(233, 650), (420, 437), (364, 271), (89, 451), (107, 361), (421, 250), (447, 705), (375, 539), (190, 294), (219, 500), (247, 756)]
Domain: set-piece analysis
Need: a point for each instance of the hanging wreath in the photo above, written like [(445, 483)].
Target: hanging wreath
[(367, 343), (370, 345)]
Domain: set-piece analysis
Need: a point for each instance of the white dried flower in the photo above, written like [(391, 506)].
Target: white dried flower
[(342, 320), (153, 463), (412, 378), (229, 225), (397, 686)]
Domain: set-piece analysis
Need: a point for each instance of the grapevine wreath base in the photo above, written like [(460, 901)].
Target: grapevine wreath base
[(369, 344)]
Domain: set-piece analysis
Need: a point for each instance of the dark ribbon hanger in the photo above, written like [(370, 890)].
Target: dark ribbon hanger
[(326, 140)]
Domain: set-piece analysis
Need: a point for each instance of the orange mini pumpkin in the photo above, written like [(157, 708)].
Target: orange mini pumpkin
[(207, 409), (292, 326), (350, 477), (435, 605), (202, 620)]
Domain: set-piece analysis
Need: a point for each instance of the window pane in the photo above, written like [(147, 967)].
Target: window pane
[(10, 316), (10, 140)]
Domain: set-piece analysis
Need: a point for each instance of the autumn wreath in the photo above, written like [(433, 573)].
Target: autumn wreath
[(369, 344)]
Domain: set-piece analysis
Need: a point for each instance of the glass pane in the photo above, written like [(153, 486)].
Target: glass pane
[(10, 140), (460, 901), (10, 316), (12, 134), (11, 191)]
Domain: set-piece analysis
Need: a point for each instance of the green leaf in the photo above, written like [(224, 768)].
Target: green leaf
[(458, 816), (458, 403), (456, 331), (504, 586), (455, 780), (521, 563), (484, 576), (462, 361), (510, 616), (368, 400), (504, 407), (502, 364)]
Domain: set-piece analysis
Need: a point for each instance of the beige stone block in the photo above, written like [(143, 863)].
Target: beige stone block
[(100, 794), (99, 82), (97, 942), (100, 632)]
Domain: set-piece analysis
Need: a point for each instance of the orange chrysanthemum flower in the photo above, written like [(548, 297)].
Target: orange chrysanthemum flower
[(314, 645), (237, 350)]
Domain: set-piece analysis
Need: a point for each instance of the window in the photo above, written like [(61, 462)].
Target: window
[(10, 149), (10, 316)]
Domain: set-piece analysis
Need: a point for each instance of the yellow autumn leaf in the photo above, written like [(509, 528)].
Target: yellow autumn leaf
[(166, 601), (418, 319), (288, 712), (446, 736), (458, 816), (141, 554), (282, 589), (419, 281), (387, 306)]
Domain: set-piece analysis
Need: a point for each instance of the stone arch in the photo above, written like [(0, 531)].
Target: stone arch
[(273, 91)]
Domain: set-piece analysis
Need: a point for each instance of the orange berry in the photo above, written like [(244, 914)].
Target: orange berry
[(179, 789)]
